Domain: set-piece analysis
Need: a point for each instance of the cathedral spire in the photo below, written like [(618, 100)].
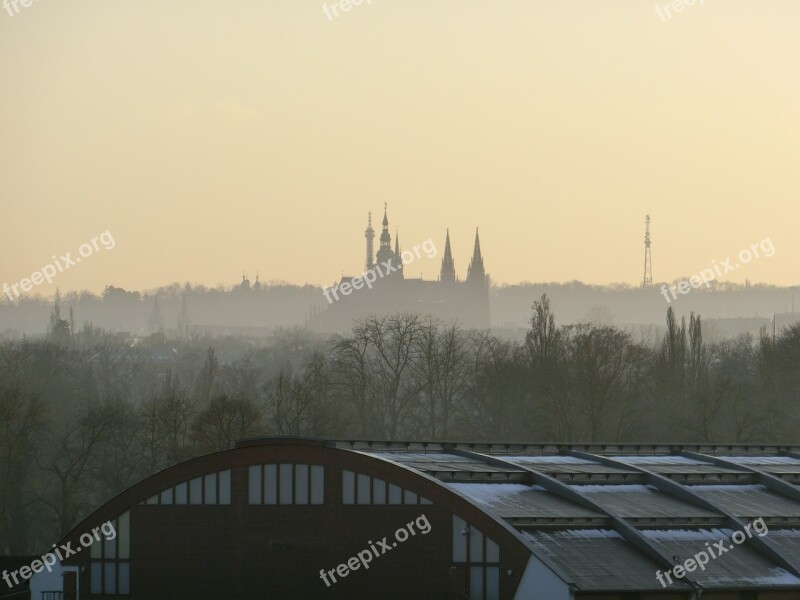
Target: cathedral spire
[(476, 272), (476, 253), (448, 271), (397, 260)]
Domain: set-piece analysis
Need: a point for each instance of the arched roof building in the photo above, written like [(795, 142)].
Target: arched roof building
[(305, 518)]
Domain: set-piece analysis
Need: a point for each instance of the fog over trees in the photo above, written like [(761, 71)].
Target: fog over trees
[(84, 413), (260, 309)]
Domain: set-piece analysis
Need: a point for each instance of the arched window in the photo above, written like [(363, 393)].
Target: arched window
[(358, 488), (212, 488)]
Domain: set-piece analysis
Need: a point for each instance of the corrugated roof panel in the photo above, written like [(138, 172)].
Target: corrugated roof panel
[(690, 469), (659, 459), (597, 559), (568, 465), (641, 501), (422, 456), (550, 460), (516, 501), (739, 567), (702, 469), (778, 468), (748, 501), (776, 465), (443, 462), (764, 460), (788, 540)]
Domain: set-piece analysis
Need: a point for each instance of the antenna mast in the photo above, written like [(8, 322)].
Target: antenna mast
[(648, 259)]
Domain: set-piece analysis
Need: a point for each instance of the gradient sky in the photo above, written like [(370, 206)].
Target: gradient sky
[(216, 137)]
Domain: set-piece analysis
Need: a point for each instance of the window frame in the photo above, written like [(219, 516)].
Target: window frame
[(362, 489), (473, 553), (102, 564), (170, 496), (273, 489)]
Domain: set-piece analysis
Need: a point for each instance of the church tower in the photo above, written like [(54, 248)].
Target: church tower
[(448, 271), (385, 251)]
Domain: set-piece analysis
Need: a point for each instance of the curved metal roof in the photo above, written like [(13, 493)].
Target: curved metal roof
[(602, 517), (610, 516)]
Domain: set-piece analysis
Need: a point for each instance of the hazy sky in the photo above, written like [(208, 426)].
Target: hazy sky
[(215, 137)]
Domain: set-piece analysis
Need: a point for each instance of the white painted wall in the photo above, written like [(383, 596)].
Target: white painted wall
[(540, 583), (50, 582)]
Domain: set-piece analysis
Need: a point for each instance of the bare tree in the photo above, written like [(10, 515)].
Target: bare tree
[(224, 421), (206, 379), (165, 422), (21, 421), (441, 372), (352, 382), (601, 374), (69, 459), (393, 341)]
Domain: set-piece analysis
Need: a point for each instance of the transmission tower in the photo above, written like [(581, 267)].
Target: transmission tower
[(648, 258)]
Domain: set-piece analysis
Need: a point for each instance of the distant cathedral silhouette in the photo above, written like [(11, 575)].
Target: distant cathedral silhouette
[(448, 298)]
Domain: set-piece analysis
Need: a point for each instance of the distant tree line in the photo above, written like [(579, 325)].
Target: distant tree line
[(274, 303), (86, 414)]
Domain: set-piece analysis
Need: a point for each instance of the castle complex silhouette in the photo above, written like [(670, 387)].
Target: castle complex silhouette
[(448, 298)]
